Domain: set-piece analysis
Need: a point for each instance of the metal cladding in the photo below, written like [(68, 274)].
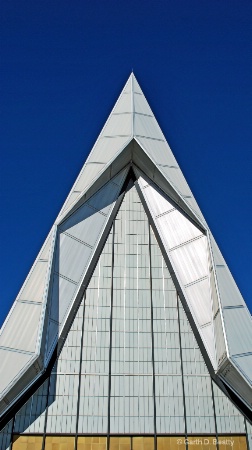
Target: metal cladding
[(48, 301)]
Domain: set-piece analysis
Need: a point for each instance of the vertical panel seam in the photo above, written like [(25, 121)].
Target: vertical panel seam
[(246, 431), (46, 413), (110, 332), (182, 372), (79, 386), (152, 339), (215, 419), (12, 430)]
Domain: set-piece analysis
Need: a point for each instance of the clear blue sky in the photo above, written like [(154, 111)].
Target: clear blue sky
[(63, 65)]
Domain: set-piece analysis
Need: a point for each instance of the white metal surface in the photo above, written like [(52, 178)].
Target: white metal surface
[(186, 246), (115, 135), (78, 237), (11, 362), (212, 295), (23, 337), (131, 118), (21, 332)]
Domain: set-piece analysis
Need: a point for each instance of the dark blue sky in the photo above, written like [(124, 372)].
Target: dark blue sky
[(63, 65)]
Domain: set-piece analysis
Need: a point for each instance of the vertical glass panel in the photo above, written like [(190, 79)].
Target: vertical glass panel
[(31, 417), (59, 443), (27, 443), (167, 361), (232, 442), (62, 403), (197, 382), (142, 443), (171, 443), (93, 409), (5, 436), (131, 402), (228, 418), (92, 443), (249, 433), (64, 382)]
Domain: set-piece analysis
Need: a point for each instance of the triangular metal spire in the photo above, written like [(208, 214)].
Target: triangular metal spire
[(131, 137), (131, 118)]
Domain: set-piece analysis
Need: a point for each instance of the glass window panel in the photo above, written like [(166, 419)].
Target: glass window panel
[(31, 417), (225, 414), (5, 436)]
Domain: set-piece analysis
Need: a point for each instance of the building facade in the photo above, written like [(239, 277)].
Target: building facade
[(125, 325)]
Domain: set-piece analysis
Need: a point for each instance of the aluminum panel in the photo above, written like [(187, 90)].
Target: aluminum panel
[(89, 173), (228, 290), (118, 125), (11, 364), (219, 336), (235, 320), (24, 320), (140, 104), (73, 257), (105, 149), (102, 201), (159, 204), (33, 289), (217, 256), (46, 249), (125, 103), (191, 260), (71, 199), (62, 296), (174, 174), (159, 152), (216, 303), (177, 228), (244, 362), (147, 127), (109, 145), (84, 225), (119, 178), (199, 297)]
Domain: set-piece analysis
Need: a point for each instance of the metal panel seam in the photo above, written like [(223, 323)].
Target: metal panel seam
[(80, 284), (172, 185), (46, 290), (89, 156), (218, 293), (62, 216), (176, 275)]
